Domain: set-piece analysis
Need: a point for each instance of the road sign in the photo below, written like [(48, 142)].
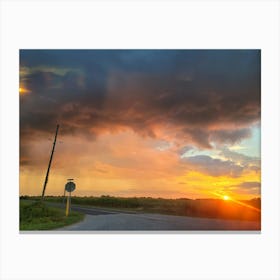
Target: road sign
[(70, 186)]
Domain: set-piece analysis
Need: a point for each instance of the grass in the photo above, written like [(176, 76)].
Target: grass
[(207, 208), (38, 216)]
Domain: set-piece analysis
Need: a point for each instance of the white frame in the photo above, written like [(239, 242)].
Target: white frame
[(139, 24)]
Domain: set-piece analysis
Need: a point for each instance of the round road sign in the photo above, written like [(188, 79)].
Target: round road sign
[(70, 186)]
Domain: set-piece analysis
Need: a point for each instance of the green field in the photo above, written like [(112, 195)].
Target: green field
[(38, 216), (207, 208)]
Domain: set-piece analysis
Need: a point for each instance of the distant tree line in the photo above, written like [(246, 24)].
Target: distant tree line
[(210, 208)]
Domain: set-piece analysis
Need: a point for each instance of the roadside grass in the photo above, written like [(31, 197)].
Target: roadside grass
[(38, 216)]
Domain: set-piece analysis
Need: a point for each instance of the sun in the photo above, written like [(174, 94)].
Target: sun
[(23, 90), (226, 197)]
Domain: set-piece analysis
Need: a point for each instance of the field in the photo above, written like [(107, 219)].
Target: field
[(38, 216), (208, 208)]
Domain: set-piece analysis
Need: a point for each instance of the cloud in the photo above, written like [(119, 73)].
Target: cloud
[(232, 136), (252, 188), (184, 150), (252, 163), (194, 98), (213, 167), (250, 185)]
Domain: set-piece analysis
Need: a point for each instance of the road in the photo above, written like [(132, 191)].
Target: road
[(97, 219)]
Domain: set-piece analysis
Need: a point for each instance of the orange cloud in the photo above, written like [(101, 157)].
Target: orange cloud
[(122, 164)]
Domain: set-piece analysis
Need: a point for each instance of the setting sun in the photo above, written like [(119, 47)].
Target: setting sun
[(225, 197)]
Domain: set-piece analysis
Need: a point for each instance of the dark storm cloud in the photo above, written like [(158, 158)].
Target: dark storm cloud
[(230, 136), (196, 96)]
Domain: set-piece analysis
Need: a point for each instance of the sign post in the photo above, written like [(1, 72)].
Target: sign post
[(69, 187)]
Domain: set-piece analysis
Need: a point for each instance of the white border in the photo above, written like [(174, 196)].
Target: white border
[(146, 24)]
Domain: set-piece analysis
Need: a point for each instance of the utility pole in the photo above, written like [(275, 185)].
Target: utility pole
[(50, 162)]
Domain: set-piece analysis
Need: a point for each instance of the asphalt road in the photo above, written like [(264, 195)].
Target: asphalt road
[(114, 220)]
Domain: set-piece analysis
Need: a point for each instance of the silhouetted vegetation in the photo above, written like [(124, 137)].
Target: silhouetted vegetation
[(210, 208)]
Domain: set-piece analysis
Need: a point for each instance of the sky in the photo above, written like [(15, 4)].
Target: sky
[(157, 123)]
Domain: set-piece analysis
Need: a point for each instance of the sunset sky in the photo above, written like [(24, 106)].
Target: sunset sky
[(159, 123)]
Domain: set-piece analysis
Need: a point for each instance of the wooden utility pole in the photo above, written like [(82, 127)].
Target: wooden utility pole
[(50, 162)]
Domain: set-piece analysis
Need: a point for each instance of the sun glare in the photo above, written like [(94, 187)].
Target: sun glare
[(23, 90), (226, 197)]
